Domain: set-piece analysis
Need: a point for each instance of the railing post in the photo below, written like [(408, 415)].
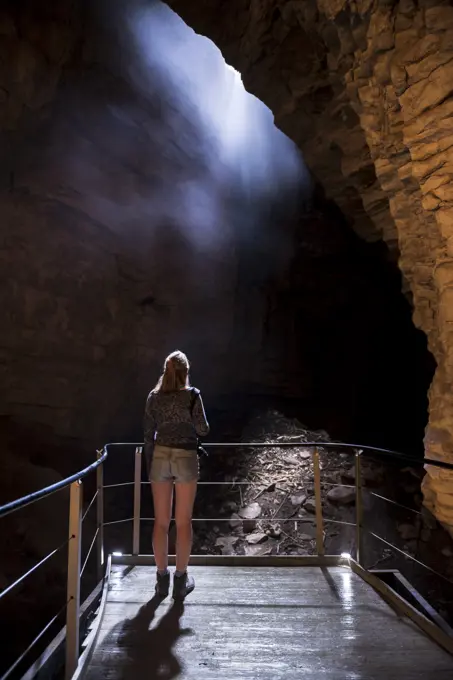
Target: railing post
[(318, 504), (137, 498), (359, 508), (100, 519), (73, 591)]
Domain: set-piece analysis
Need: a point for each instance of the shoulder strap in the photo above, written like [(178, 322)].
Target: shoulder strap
[(193, 397)]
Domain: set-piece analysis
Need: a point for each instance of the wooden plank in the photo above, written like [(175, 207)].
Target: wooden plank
[(247, 623), (240, 560)]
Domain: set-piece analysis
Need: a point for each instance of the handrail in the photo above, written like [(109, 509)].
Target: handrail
[(48, 490), (76, 516), (384, 453)]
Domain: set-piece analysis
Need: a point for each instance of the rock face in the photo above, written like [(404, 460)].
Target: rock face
[(364, 88), (119, 237)]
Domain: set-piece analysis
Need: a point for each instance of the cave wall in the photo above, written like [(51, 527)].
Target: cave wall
[(364, 88), (108, 260)]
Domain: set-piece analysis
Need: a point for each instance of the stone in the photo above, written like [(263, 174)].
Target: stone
[(341, 495), (291, 459), (227, 544), (248, 525), (371, 476), (305, 454), (235, 521), (298, 499), (310, 505), (308, 528), (275, 531), (260, 549), (256, 538), (251, 511)]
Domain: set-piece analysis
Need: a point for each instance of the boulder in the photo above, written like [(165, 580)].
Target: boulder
[(341, 495), (252, 539)]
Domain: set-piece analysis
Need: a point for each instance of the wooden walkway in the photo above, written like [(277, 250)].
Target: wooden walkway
[(266, 623)]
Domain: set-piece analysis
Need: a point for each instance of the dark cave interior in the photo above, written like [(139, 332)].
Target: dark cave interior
[(149, 203)]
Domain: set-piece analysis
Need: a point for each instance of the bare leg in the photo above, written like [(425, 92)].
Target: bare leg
[(185, 497), (162, 499)]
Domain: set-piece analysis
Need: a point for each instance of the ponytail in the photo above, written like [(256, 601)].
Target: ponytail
[(176, 373)]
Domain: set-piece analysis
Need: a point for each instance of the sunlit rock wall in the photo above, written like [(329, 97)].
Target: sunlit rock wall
[(364, 88)]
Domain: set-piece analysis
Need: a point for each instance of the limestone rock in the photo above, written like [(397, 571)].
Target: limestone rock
[(341, 495), (275, 531), (304, 537), (260, 549), (249, 514), (298, 499), (252, 539), (227, 544), (310, 505), (251, 511), (235, 521), (371, 476)]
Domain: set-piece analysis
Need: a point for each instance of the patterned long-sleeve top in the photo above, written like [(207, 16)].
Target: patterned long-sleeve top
[(170, 420)]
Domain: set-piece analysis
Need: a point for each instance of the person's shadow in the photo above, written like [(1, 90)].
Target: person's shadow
[(145, 653)]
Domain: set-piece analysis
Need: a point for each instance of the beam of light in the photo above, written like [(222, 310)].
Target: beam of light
[(241, 145)]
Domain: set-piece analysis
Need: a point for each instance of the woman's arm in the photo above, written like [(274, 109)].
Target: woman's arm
[(149, 427), (199, 419)]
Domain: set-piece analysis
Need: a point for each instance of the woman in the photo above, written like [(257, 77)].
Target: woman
[(174, 419)]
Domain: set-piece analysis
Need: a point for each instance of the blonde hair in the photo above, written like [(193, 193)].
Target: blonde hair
[(176, 373)]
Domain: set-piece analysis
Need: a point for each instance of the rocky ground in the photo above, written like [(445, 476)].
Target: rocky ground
[(262, 503)]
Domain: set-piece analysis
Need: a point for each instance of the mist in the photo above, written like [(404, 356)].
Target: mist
[(236, 151), (165, 161)]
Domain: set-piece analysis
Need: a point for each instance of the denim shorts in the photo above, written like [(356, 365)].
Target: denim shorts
[(171, 464)]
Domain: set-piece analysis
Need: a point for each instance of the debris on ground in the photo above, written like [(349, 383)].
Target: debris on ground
[(264, 499)]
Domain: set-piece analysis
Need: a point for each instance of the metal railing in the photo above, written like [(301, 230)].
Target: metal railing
[(73, 545), (75, 569)]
